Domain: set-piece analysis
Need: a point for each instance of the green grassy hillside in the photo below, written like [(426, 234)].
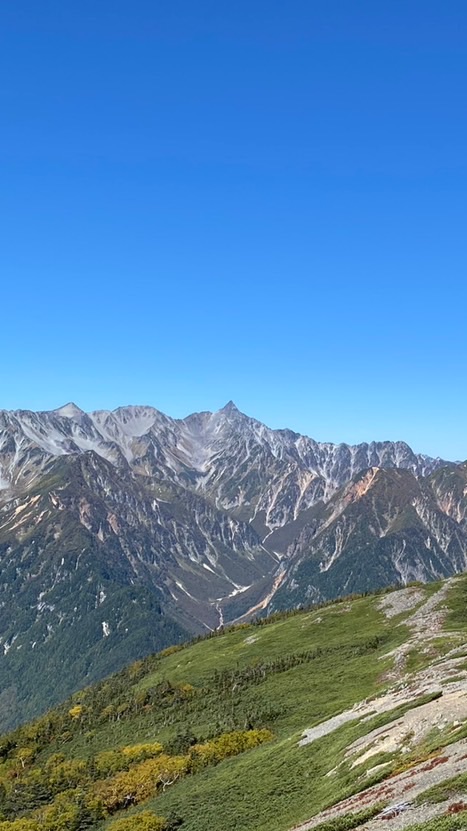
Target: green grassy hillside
[(206, 736)]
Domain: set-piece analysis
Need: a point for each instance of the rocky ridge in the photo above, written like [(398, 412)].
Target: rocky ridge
[(137, 529)]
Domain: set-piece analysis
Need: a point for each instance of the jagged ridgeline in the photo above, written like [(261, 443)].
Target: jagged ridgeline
[(124, 532), (261, 727)]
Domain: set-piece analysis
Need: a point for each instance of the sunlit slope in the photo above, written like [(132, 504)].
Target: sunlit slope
[(124, 532), (212, 734)]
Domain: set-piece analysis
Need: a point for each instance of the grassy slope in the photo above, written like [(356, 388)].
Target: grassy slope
[(280, 784), (276, 785)]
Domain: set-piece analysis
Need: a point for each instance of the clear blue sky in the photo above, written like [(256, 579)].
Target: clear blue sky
[(262, 201)]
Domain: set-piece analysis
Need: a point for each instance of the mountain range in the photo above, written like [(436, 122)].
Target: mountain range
[(124, 532)]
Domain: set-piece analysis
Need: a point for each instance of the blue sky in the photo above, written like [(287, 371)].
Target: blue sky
[(258, 201)]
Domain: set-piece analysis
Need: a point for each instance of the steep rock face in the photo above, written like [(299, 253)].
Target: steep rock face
[(96, 570), (449, 486), (184, 546), (122, 531), (239, 462), (384, 527), (209, 504)]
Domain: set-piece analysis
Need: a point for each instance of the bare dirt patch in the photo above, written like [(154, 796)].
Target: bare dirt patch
[(447, 674)]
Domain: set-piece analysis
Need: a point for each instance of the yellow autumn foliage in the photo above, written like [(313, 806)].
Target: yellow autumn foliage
[(140, 782), (108, 762), (138, 752), (146, 821), (65, 774), (229, 744), (76, 712), (132, 786)]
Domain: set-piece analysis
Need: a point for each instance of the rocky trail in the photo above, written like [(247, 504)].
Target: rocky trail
[(446, 679), (400, 790)]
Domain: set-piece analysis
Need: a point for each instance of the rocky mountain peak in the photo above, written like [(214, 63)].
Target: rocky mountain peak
[(209, 519), (70, 410), (230, 409)]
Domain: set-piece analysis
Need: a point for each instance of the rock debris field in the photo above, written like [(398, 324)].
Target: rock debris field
[(445, 677)]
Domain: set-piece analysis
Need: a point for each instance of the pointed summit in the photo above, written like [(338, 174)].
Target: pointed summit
[(69, 410), (230, 409)]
